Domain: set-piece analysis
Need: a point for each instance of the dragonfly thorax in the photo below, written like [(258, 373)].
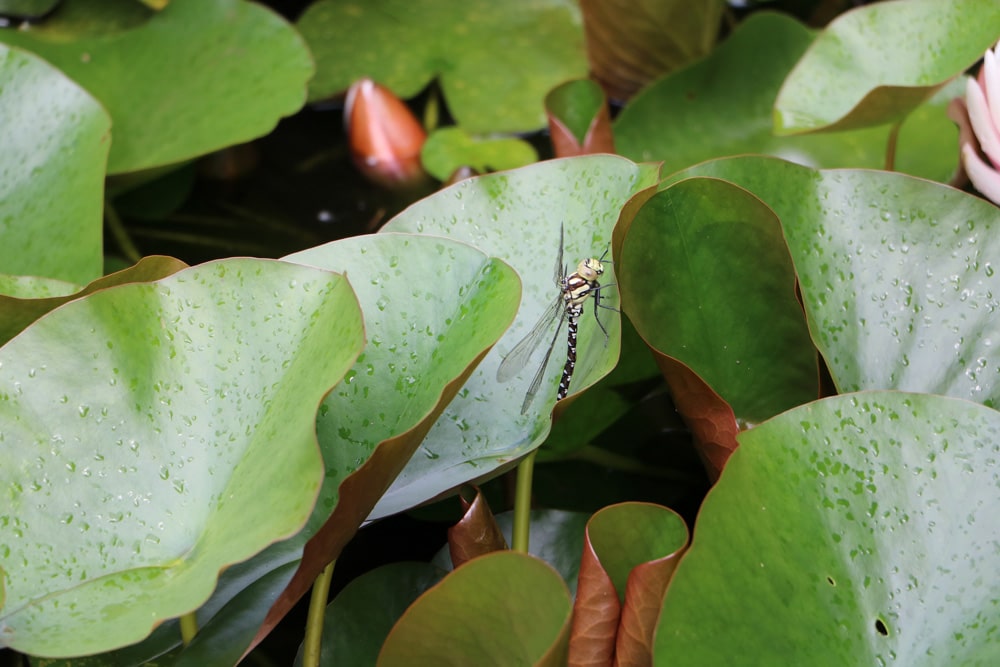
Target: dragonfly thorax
[(590, 269)]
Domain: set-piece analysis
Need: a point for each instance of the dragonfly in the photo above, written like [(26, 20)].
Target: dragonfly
[(574, 290)]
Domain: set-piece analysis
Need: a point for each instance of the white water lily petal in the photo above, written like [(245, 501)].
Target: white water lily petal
[(991, 83), (983, 176), (982, 122)]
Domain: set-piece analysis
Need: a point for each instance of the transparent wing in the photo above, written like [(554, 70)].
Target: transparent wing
[(536, 381), (518, 358)]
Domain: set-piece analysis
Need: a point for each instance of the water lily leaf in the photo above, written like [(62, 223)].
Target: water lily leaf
[(55, 138), (688, 117), (510, 215), (631, 551), (687, 304), (853, 76), (360, 617), (631, 43), (475, 49), (198, 76), (140, 425), (451, 148), (24, 300), (557, 538), (579, 119), (475, 616), (27, 8), (897, 274), (433, 307), (855, 530)]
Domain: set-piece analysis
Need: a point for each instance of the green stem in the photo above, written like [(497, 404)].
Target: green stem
[(189, 628), (118, 231), (522, 503), (314, 623), (890, 148)]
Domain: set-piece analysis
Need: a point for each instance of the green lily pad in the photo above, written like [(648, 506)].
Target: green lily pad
[(556, 538), (857, 530), (877, 63), (451, 148), (55, 140), (433, 307), (485, 55), (897, 274), (474, 616), (24, 299), (139, 439), (360, 617), (517, 216), (723, 106), (198, 76), (707, 279)]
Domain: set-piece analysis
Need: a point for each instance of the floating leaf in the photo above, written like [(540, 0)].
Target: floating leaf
[(140, 426), (476, 616), (55, 147), (860, 529), (479, 51), (451, 148), (897, 274), (509, 215), (877, 63), (197, 76)]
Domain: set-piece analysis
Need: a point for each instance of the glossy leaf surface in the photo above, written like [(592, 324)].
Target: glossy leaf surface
[(140, 426), (723, 106), (876, 63), (474, 616), (855, 530), (197, 76), (451, 148), (509, 215), (474, 49), (433, 307), (897, 274), (55, 140)]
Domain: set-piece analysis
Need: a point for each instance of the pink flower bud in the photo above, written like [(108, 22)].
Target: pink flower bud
[(978, 119), (384, 135)]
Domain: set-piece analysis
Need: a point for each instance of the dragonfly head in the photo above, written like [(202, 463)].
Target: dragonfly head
[(590, 269)]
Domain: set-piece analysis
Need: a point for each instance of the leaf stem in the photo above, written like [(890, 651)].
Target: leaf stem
[(522, 503), (890, 147), (118, 231), (189, 628), (313, 641)]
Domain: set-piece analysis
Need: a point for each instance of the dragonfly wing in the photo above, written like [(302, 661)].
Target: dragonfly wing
[(518, 358), (536, 381)]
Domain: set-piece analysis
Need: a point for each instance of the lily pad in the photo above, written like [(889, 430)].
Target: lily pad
[(723, 106), (877, 63), (897, 274), (860, 529), (433, 307), (476, 617), (139, 439), (510, 215), (24, 299), (451, 148), (198, 76), (707, 279), (55, 140), (485, 55)]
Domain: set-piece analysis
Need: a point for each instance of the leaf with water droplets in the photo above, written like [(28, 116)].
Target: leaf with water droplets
[(856, 530), (55, 140), (151, 434)]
